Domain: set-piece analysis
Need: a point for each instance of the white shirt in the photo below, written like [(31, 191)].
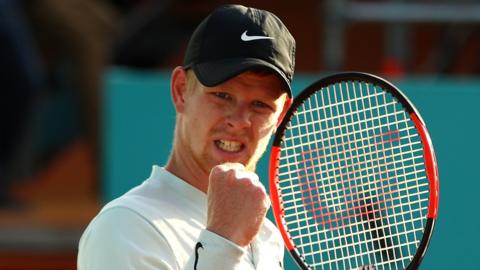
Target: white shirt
[(158, 225)]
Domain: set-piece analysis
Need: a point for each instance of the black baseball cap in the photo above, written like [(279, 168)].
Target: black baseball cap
[(234, 39)]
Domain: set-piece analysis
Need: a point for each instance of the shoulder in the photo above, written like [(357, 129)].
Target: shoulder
[(114, 220), (148, 200), (123, 234), (148, 223), (133, 215)]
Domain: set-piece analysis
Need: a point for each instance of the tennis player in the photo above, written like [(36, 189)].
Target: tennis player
[(205, 209)]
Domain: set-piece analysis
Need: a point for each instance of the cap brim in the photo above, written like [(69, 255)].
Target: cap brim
[(213, 73)]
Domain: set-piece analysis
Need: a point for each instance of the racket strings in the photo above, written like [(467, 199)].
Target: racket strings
[(348, 197), (356, 207), (360, 168), (375, 216)]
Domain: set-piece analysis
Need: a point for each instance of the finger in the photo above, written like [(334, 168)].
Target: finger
[(232, 165), (225, 167), (244, 175)]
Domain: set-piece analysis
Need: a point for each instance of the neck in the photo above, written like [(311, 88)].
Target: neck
[(190, 173)]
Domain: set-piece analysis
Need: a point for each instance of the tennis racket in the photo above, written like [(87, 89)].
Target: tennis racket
[(353, 176)]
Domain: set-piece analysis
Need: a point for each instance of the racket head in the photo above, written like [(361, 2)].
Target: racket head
[(352, 121)]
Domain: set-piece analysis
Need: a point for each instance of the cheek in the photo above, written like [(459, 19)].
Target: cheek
[(193, 124), (201, 123), (263, 132), (265, 126)]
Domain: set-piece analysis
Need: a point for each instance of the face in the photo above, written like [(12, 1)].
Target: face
[(231, 122)]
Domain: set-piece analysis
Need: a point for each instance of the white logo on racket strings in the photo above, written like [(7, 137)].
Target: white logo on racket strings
[(246, 37)]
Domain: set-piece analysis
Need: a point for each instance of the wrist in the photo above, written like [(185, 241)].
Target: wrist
[(233, 236)]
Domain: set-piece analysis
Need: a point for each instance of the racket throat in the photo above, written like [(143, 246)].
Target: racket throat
[(381, 237)]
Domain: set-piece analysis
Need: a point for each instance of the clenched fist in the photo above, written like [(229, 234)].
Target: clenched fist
[(237, 203)]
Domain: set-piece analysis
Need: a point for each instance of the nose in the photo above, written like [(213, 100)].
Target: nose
[(239, 117)]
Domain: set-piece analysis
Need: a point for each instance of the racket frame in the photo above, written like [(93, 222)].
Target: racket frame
[(429, 157)]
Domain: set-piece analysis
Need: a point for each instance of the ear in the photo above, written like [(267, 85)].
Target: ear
[(178, 88)]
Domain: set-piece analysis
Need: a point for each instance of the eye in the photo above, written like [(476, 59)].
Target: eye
[(222, 95), (261, 105)]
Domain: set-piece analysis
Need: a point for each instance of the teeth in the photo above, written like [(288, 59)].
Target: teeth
[(229, 146)]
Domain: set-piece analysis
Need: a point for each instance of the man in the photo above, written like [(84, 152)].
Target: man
[(206, 208)]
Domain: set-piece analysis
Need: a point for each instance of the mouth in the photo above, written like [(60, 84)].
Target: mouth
[(229, 146)]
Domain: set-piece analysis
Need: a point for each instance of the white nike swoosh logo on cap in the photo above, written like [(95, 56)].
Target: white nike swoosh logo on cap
[(246, 37)]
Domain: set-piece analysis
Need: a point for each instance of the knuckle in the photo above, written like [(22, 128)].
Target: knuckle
[(259, 192), (231, 173)]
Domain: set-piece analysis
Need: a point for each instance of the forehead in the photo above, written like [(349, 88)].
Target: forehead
[(262, 84)]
